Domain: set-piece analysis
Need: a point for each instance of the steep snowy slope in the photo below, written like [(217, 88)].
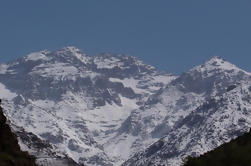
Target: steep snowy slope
[(200, 110), (77, 102)]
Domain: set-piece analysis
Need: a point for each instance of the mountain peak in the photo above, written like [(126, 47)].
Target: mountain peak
[(70, 49), (216, 58), (217, 63), (71, 54)]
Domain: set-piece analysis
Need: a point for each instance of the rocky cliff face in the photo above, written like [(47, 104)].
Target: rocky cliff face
[(114, 109)]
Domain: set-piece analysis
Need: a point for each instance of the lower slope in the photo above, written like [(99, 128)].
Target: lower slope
[(10, 153), (235, 153)]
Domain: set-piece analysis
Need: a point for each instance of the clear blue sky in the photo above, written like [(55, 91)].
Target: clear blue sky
[(172, 35)]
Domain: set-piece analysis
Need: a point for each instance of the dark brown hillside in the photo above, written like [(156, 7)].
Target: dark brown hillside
[(235, 153), (10, 153)]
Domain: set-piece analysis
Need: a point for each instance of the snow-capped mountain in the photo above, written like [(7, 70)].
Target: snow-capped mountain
[(77, 102), (109, 110), (197, 112)]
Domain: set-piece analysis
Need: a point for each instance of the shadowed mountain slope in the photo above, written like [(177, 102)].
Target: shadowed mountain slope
[(235, 153), (10, 153)]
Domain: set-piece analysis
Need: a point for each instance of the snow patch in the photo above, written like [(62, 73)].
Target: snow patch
[(110, 63), (58, 70), (6, 93), (37, 56), (3, 68)]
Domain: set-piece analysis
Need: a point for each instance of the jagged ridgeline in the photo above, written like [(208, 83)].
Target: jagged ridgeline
[(235, 153), (10, 153)]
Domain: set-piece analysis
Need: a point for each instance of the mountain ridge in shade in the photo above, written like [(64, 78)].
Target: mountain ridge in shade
[(237, 152), (10, 152)]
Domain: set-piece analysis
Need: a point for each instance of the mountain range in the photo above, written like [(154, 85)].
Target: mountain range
[(109, 110)]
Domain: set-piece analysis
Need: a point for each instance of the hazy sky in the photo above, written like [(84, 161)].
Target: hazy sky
[(172, 35)]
